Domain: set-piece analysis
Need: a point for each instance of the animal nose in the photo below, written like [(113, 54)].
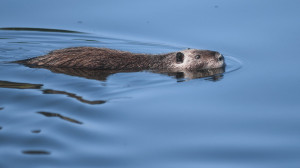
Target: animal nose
[(219, 56)]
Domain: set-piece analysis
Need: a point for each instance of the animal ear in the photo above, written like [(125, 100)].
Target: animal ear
[(179, 57)]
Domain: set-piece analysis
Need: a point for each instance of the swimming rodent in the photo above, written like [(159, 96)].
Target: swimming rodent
[(109, 59)]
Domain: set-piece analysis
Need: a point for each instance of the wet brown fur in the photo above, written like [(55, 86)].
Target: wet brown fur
[(109, 59)]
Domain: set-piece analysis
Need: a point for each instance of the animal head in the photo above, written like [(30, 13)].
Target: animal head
[(193, 59)]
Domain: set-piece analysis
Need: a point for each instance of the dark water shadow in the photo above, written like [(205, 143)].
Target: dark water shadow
[(15, 85), (36, 152), (39, 30), (79, 98), (36, 131), (49, 114)]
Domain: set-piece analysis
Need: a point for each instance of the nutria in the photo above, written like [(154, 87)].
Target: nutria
[(109, 59)]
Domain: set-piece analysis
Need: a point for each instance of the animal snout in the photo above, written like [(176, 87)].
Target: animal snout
[(219, 56)]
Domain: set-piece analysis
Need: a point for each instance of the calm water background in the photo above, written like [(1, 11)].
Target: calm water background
[(249, 118)]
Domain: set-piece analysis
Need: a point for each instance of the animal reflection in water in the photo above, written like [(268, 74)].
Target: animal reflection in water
[(101, 75)]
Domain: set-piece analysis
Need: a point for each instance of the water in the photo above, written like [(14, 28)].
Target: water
[(246, 117)]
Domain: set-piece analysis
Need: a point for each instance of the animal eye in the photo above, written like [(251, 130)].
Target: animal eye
[(198, 56), (220, 58)]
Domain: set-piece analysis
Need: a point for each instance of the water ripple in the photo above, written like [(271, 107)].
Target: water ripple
[(49, 114)]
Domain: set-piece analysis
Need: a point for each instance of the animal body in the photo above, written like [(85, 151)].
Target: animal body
[(109, 59)]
